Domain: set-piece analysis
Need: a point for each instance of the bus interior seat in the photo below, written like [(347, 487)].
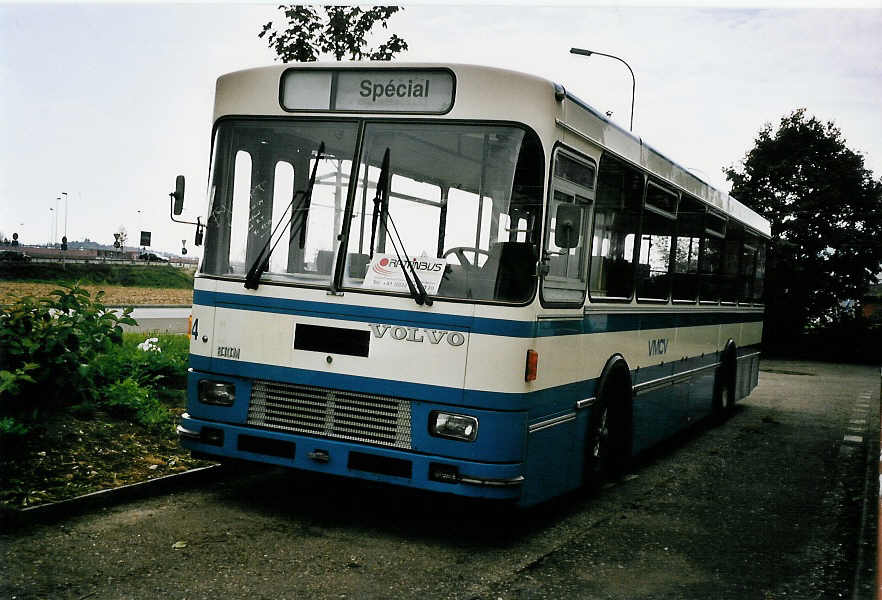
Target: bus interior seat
[(557, 265), (358, 264), (324, 261), (619, 279), (512, 265)]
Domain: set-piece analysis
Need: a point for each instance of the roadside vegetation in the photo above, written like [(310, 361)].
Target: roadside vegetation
[(155, 276), (84, 406)]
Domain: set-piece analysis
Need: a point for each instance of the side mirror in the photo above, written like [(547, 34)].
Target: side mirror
[(178, 195), (568, 222)]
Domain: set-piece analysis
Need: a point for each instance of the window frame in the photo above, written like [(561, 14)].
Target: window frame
[(558, 182), (672, 217)]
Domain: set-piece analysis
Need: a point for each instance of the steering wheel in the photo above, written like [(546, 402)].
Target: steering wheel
[(460, 252)]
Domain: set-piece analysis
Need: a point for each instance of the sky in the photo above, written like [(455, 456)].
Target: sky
[(110, 101)]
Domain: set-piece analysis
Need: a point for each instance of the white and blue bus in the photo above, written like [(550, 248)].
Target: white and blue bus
[(457, 278)]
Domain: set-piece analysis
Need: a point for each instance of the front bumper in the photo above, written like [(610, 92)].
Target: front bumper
[(338, 457)]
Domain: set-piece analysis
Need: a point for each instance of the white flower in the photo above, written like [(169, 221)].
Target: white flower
[(150, 345)]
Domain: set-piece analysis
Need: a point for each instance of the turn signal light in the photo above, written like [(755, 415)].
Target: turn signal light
[(532, 365)]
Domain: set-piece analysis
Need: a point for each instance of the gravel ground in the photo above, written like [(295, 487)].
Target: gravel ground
[(766, 506)]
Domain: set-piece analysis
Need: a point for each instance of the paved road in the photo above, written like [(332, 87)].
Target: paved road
[(767, 506), (162, 319)]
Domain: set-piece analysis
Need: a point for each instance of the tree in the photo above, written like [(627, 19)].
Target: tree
[(341, 31), (825, 209), (121, 236)]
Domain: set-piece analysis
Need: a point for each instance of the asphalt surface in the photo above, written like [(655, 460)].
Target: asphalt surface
[(778, 502), (161, 319)]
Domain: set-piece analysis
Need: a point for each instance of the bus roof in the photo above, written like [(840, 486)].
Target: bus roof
[(535, 101)]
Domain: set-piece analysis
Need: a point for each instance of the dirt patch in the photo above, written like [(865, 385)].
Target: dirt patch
[(72, 456), (115, 295)]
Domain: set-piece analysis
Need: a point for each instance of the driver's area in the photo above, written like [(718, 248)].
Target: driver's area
[(469, 195)]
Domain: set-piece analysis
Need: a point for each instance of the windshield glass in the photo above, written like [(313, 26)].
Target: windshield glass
[(260, 170), (465, 200)]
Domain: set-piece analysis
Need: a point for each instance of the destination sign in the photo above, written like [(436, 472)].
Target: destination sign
[(368, 90)]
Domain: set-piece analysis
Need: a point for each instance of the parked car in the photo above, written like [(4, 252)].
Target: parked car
[(150, 257), (13, 256)]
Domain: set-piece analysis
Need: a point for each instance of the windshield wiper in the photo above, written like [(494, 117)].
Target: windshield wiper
[(381, 212), (261, 263)]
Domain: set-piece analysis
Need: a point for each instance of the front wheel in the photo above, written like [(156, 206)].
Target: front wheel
[(598, 447)]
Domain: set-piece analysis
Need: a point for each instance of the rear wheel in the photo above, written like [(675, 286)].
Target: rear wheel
[(724, 394)]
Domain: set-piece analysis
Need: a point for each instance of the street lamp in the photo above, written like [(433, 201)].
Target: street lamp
[(49, 236), (57, 200), (584, 52), (65, 212)]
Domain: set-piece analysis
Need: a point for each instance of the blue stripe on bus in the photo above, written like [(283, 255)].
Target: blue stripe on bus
[(539, 403), (591, 323)]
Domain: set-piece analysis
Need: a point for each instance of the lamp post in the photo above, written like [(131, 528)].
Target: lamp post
[(55, 237), (584, 52), (49, 236), (65, 212)]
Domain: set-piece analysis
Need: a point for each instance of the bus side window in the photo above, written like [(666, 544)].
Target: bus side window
[(616, 219), (657, 229), (747, 268), (729, 277), (710, 263), (759, 280), (690, 229), (569, 214)]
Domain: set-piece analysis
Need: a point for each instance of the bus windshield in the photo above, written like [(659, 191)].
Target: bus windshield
[(464, 197)]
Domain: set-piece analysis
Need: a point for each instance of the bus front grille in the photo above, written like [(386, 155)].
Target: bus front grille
[(336, 414)]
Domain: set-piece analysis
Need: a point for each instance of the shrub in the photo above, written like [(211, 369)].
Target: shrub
[(163, 367), (47, 343), (130, 400)]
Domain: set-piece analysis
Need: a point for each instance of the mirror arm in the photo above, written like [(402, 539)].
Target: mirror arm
[(200, 227), (171, 211)]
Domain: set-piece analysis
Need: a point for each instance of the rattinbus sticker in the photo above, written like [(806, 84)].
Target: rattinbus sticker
[(386, 273)]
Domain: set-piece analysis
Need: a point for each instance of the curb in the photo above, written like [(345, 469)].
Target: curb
[(53, 511), (120, 306)]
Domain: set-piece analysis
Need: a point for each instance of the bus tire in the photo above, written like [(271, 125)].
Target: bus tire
[(724, 386), (608, 439)]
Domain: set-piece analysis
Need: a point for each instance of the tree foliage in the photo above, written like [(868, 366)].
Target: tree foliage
[(339, 31), (825, 209)]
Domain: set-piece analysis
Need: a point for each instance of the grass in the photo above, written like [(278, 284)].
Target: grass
[(155, 276)]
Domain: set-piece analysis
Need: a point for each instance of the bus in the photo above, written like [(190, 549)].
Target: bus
[(457, 278)]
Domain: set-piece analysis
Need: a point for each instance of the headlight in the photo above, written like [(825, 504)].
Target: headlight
[(453, 426), (220, 393)]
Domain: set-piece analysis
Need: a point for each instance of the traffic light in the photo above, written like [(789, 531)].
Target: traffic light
[(64, 242)]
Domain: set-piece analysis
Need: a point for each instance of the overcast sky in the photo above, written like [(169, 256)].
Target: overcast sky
[(109, 102)]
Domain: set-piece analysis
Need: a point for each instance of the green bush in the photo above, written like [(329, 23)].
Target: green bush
[(163, 367), (162, 276), (47, 344), (128, 399), (10, 428)]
